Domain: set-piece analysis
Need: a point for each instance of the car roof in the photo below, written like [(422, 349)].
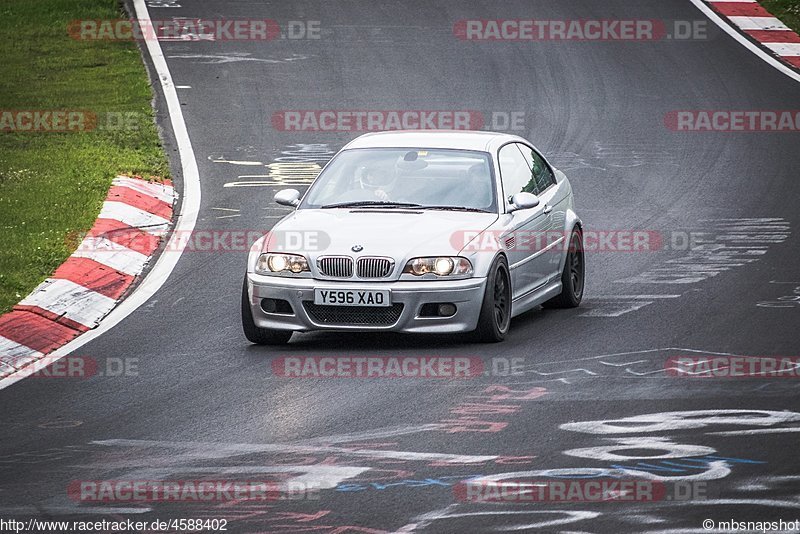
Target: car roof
[(459, 139)]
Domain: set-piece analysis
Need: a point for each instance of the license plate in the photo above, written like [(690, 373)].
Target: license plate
[(353, 297)]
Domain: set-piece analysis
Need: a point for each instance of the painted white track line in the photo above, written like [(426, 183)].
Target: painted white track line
[(184, 224), (730, 30)]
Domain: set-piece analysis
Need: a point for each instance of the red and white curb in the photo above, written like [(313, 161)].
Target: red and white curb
[(753, 20), (88, 285)]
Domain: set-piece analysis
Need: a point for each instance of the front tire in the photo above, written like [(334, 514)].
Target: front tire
[(254, 334), (573, 277), (495, 316)]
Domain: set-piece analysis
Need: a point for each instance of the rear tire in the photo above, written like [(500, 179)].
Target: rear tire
[(254, 334), (573, 277), (495, 317)]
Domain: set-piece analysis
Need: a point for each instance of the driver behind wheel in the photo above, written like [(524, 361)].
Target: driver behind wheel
[(378, 178)]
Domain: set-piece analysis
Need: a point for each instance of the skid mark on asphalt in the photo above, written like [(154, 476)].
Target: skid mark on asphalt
[(638, 368), (235, 57), (230, 215), (279, 173), (559, 517), (184, 31), (630, 155), (319, 467), (633, 364), (182, 452), (605, 156), (756, 431), (306, 152), (786, 301), (297, 164), (615, 309), (380, 433), (720, 246), (313, 464), (221, 159), (725, 244), (645, 456), (614, 306), (162, 3)]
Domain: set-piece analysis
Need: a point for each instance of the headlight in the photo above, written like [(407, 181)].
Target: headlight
[(441, 266), (275, 263)]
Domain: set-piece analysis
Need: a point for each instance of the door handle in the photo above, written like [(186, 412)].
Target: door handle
[(547, 209)]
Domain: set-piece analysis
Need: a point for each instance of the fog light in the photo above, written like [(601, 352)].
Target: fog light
[(269, 305), (447, 310), (277, 306)]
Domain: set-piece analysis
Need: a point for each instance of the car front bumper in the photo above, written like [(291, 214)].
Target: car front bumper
[(466, 294)]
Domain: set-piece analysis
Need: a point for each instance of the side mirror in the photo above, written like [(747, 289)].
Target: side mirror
[(523, 201), (288, 197)]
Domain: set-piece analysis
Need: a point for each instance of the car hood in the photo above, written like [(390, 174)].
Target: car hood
[(400, 234)]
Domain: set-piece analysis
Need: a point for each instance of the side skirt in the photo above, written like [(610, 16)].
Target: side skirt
[(530, 300)]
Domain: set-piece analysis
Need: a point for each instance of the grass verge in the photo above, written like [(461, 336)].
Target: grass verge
[(786, 10), (53, 183)]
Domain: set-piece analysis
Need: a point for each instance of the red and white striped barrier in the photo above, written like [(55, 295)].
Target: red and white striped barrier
[(753, 20), (90, 283)]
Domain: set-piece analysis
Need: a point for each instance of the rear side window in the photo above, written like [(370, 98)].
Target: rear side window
[(515, 173), (541, 173)]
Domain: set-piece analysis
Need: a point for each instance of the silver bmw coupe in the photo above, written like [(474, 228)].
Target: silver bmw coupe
[(420, 232)]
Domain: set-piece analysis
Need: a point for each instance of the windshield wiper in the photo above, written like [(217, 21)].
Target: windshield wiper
[(453, 208), (371, 204)]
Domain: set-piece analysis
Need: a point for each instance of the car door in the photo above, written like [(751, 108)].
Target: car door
[(553, 197), (523, 235)]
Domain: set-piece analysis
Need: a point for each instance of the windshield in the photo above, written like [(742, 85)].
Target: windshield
[(403, 177)]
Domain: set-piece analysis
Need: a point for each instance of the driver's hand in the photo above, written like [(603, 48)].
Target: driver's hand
[(381, 194)]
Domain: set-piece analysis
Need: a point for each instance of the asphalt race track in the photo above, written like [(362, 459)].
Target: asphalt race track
[(388, 454)]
